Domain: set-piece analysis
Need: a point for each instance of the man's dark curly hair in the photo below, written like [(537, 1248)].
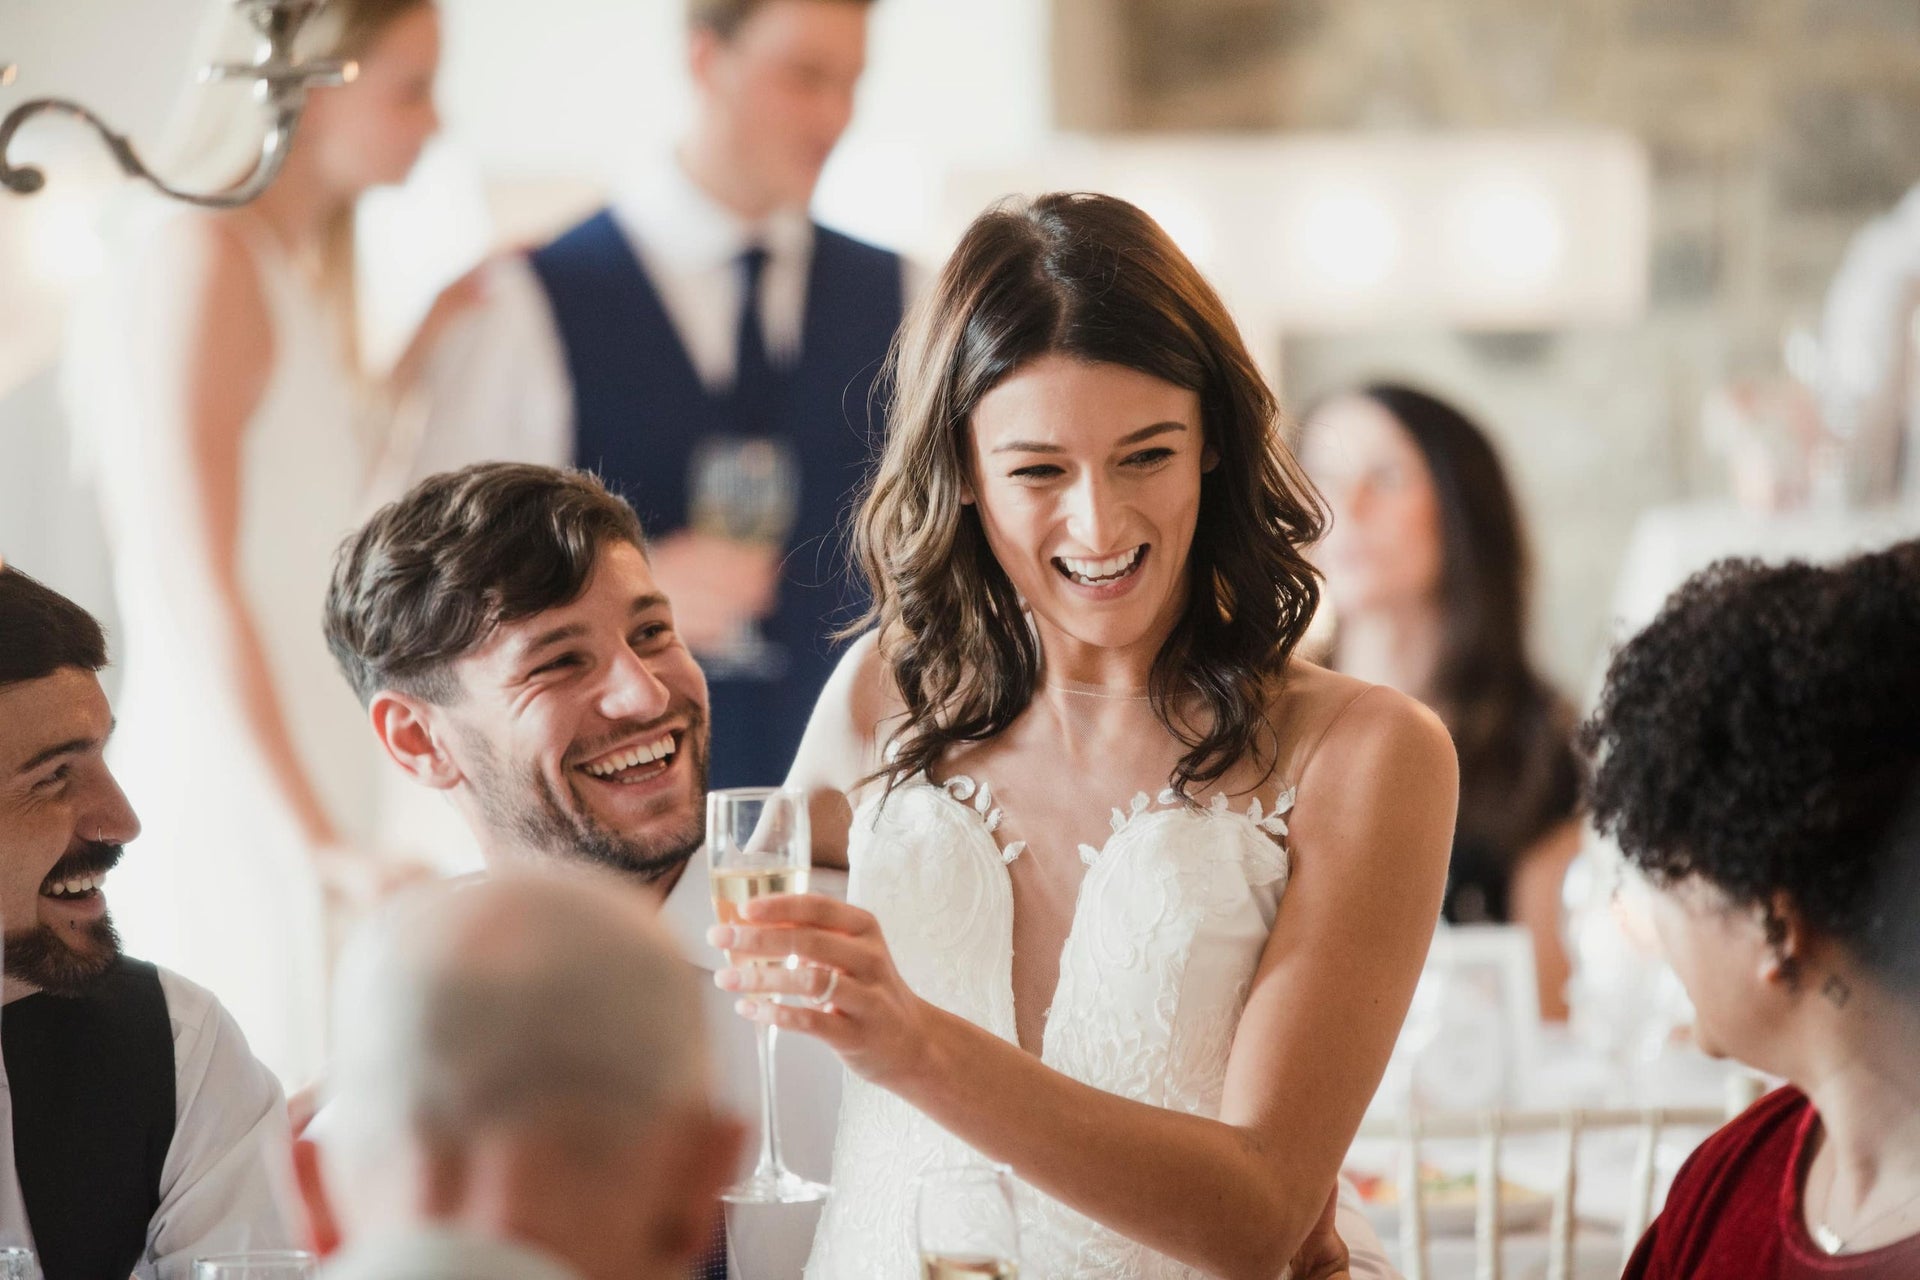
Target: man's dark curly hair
[(1763, 734), (428, 578)]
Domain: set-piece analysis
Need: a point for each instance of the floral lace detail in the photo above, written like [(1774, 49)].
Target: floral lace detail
[(1173, 914), (963, 789)]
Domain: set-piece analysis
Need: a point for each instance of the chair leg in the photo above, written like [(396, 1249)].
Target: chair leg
[(1487, 1228), (1560, 1256), (1640, 1193), (1413, 1220)]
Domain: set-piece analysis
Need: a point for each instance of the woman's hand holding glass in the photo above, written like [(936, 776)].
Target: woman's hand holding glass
[(853, 997)]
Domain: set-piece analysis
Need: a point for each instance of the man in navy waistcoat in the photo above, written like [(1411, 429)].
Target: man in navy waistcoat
[(713, 354)]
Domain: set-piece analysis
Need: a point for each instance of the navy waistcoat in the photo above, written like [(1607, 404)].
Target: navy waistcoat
[(93, 1115), (640, 408)]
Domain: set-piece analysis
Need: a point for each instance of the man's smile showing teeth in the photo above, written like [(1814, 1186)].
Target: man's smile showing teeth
[(1094, 573), (658, 751), (77, 887)]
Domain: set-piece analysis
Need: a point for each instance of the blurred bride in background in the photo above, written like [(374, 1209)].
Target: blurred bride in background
[(215, 383)]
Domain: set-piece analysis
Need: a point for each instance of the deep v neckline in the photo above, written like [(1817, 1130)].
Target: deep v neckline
[(979, 814)]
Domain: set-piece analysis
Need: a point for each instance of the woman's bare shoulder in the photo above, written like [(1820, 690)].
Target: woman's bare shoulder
[(1321, 715), (873, 695)]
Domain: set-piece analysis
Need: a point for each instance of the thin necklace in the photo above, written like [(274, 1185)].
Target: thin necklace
[(1099, 693), (1831, 1241)]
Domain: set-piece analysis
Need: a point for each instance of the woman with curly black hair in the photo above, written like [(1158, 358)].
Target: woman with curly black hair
[(1757, 754)]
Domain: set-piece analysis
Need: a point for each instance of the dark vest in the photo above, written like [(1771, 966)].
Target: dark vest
[(93, 1113), (640, 408)]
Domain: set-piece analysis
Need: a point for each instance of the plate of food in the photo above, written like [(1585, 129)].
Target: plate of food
[(1452, 1199)]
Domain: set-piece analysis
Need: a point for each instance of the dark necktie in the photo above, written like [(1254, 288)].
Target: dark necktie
[(756, 384)]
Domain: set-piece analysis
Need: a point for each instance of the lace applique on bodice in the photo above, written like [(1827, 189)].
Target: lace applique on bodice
[(1170, 921)]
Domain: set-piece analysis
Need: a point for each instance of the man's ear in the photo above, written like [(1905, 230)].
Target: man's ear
[(704, 48), (414, 738), (323, 1228)]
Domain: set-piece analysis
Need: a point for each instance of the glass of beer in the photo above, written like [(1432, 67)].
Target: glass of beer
[(967, 1223), (758, 845)]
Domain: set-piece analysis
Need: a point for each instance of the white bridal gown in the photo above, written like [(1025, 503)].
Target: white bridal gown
[(1169, 926), (219, 885)]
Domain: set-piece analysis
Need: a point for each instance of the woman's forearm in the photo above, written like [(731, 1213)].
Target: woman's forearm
[(1199, 1190)]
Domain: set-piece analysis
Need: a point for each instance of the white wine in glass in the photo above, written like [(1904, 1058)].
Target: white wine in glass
[(733, 889), (967, 1266), (759, 845), (967, 1224)]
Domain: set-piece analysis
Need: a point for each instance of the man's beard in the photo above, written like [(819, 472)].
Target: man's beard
[(525, 803), (59, 962)]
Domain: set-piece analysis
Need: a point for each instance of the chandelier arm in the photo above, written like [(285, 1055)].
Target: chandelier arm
[(279, 83), (27, 179)]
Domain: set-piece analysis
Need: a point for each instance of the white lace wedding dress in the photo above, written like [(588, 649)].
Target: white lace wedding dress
[(1170, 922)]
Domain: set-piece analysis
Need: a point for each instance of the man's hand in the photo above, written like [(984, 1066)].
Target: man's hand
[(718, 586), (1323, 1254)]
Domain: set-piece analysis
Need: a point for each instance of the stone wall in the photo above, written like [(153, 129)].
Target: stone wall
[(1775, 128)]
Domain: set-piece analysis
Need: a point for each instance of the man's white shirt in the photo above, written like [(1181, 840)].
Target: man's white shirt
[(497, 386), (223, 1184)]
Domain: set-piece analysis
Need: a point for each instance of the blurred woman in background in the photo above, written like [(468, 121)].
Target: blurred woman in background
[(1427, 571), (216, 381)]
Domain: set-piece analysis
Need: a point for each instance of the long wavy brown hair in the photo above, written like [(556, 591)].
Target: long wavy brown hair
[(1094, 278)]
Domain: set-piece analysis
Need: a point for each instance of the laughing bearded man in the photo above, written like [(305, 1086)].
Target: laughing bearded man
[(139, 1132)]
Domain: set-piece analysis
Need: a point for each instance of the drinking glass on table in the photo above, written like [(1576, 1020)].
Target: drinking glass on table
[(745, 490), (268, 1264), (966, 1224), (758, 845), (19, 1264)]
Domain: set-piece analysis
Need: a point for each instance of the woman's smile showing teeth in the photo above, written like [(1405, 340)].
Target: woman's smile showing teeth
[(633, 763), (1100, 573)]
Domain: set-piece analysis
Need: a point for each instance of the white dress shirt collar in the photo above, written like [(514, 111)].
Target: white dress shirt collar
[(665, 211)]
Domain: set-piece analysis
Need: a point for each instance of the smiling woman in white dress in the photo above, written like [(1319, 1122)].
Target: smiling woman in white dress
[(1138, 899), (215, 381)]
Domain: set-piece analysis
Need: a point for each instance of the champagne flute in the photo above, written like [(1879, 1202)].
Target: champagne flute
[(758, 845), (745, 490), (266, 1264), (967, 1224)]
